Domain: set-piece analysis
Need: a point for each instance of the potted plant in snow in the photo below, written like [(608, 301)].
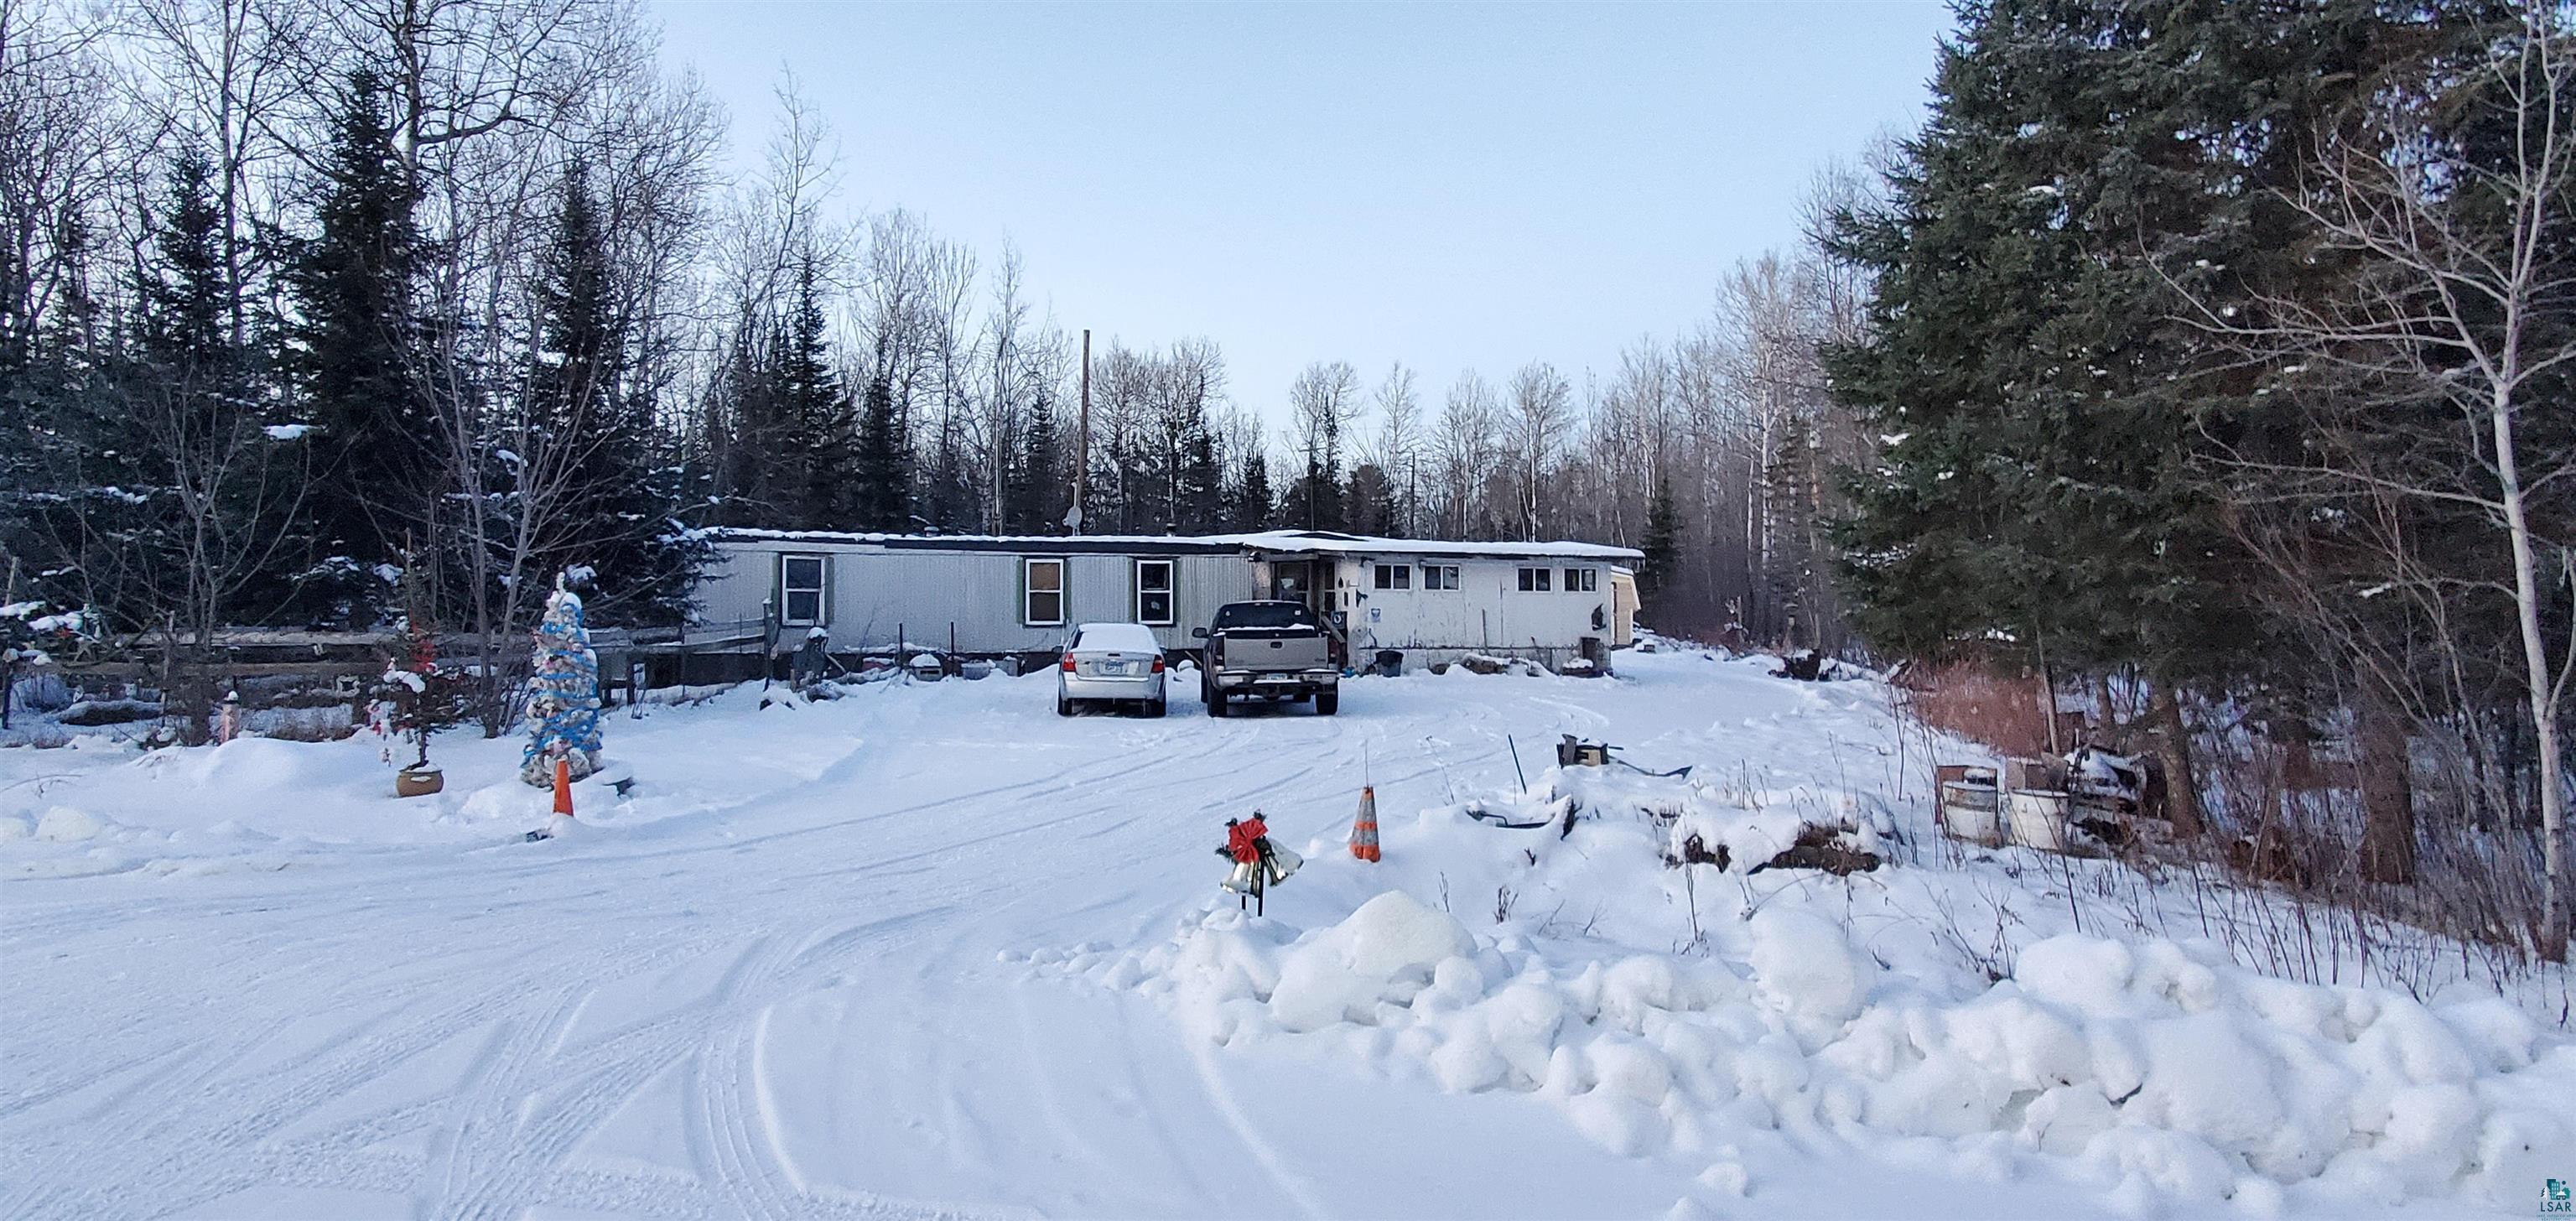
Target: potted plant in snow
[(414, 681)]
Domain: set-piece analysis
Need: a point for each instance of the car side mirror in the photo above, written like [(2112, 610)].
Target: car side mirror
[(1198, 633)]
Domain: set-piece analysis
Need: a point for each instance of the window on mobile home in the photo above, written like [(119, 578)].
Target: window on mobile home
[(1537, 580), (1154, 592), (1395, 576), (1042, 593), (1440, 576), (1582, 580), (800, 589)]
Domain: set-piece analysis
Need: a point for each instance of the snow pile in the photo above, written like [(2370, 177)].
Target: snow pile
[(68, 825), (2145, 1067), (1708, 1013)]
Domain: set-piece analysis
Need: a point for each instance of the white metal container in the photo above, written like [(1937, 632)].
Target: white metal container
[(2038, 818)]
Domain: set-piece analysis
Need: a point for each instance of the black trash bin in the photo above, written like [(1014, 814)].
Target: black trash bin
[(1390, 662)]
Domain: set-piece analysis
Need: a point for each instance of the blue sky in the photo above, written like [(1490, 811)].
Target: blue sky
[(1449, 185)]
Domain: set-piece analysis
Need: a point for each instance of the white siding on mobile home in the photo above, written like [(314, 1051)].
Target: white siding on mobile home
[(1418, 610), (992, 595), (978, 598)]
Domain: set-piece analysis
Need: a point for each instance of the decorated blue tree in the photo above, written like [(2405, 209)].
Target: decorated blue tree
[(563, 695)]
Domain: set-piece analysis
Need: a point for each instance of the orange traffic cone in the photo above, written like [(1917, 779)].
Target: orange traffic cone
[(563, 787), (1364, 828)]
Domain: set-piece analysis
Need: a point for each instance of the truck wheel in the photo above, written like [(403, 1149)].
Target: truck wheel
[(1216, 703), (1327, 702)]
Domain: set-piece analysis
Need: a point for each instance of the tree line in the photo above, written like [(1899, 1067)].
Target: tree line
[(303, 307), (2227, 351), (2220, 352)]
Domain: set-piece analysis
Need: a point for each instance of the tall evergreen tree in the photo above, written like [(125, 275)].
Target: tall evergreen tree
[(185, 294), (743, 430), (884, 461), (1370, 506), (1254, 508), (2047, 406), (622, 505), (357, 344), (1201, 485), (1663, 552), (1314, 502), (1033, 502), (947, 497), (819, 446)]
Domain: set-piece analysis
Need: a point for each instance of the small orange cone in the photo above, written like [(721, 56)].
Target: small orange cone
[(563, 786), (1364, 828)]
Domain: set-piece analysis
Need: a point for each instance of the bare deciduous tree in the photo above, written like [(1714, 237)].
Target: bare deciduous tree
[(2459, 296)]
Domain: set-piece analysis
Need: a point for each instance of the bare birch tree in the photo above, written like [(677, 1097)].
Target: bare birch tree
[(2460, 296)]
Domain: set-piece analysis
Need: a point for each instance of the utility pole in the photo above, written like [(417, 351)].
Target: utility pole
[(1081, 445)]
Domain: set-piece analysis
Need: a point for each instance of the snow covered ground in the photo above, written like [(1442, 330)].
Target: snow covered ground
[(930, 950)]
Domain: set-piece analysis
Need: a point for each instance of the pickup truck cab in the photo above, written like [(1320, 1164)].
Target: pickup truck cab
[(1269, 651)]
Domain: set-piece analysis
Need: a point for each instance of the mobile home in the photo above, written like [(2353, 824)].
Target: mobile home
[(1431, 601)]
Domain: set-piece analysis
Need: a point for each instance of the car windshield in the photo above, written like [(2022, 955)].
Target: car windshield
[(1265, 614)]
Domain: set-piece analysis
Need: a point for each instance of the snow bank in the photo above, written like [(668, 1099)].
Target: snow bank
[(2147, 1068), (1679, 1011)]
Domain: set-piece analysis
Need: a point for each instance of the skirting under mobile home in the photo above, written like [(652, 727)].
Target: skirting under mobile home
[(1562, 604)]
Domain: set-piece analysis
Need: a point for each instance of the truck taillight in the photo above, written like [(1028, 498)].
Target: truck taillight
[(1067, 667), (1158, 664)]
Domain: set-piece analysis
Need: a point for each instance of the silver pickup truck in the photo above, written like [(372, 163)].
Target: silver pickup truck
[(1269, 651)]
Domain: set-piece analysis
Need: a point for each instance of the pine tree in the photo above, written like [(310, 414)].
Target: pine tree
[(185, 294), (1254, 509), (948, 497), (621, 516), (820, 447), (357, 342), (1202, 485), (1031, 503), (1314, 502), (563, 695), (1371, 501), (1663, 549), (884, 462), (2046, 489)]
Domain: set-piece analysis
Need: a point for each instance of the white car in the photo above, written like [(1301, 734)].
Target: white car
[(1111, 661)]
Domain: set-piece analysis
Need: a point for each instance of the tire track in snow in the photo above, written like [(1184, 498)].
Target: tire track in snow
[(528, 1104)]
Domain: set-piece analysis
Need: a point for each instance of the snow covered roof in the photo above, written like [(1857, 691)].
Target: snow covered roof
[(1272, 542), (1327, 542)]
